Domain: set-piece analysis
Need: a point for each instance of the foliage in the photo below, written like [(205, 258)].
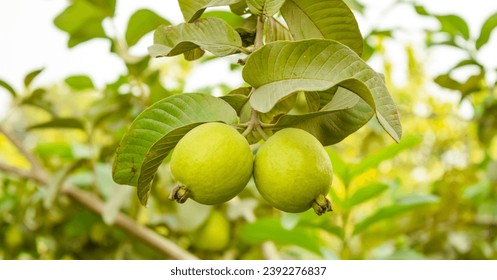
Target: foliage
[(431, 195)]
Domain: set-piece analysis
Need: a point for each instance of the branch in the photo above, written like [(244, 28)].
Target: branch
[(96, 205)]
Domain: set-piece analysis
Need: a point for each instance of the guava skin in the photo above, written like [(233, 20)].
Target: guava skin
[(293, 172), (213, 163), (214, 235)]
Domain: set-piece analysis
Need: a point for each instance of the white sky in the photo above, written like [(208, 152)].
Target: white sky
[(29, 40)]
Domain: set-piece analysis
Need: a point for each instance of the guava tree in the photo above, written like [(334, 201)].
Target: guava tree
[(304, 71), (302, 66)]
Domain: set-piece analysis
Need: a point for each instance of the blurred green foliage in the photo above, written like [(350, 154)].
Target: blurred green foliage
[(432, 196)]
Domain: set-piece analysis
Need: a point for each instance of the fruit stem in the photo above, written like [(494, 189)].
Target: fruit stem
[(180, 194), (321, 205)]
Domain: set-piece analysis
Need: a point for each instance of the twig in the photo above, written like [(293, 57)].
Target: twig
[(96, 205), (35, 166)]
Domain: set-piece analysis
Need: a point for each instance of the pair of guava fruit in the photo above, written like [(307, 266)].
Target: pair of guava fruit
[(213, 163)]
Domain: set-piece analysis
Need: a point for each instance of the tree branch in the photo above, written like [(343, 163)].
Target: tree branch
[(95, 204)]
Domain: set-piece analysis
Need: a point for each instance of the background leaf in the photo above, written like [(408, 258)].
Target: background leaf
[(142, 22), (10, 89), (31, 76), (83, 20), (271, 230), (365, 193), (454, 25), (157, 130), (403, 205), (281, 68), (60, 123), (210, 34), (79, 82), (193, 9), (328, 19), (385, 153), (486, 31)]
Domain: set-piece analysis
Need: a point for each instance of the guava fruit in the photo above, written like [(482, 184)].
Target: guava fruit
[(214, 235), (212, 162), (293, 172)]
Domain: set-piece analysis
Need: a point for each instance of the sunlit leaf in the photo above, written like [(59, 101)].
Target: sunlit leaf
[(268, 229), (83, 21), (403, 205), (193, 9), (79, 82), (385, 153), (142, 22), (486, 31), (365, 193), (9, 88), (329, 19), (281, 68), (454, 25), (266, 7), (355, 5), (71, 123), (31, 76), (210, 34), (232, 19), (157, 130), (340, 169)]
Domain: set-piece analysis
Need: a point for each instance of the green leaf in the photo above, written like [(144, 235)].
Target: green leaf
[(10, 89), (365, 193), (57, 181), (83, 20), (107, 6), (193, 9), (340, 168), (237, 101), (447, 82), (356, 5), (142, 22), (271, 230), (232, 19), (373, 160), (79, 82), (31, 76), (71, 123), (264, 7), (277, 31), (281, 68), (157, 130), (330, 126), (486, 31), (39, 99), (454, 25), (403, 205), (328, 19), (210, 34)]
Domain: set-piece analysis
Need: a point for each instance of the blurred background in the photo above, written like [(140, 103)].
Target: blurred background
[(74, 74)]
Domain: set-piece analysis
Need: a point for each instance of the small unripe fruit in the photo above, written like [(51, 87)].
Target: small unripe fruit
[(214, 235), (213, 163), (293, 172)]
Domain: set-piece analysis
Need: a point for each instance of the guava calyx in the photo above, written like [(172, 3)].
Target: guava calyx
[(321, 205), (180, 194)]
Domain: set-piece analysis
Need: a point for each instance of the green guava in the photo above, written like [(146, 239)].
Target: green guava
[(213, 163), (214, 235), (293, 172)]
